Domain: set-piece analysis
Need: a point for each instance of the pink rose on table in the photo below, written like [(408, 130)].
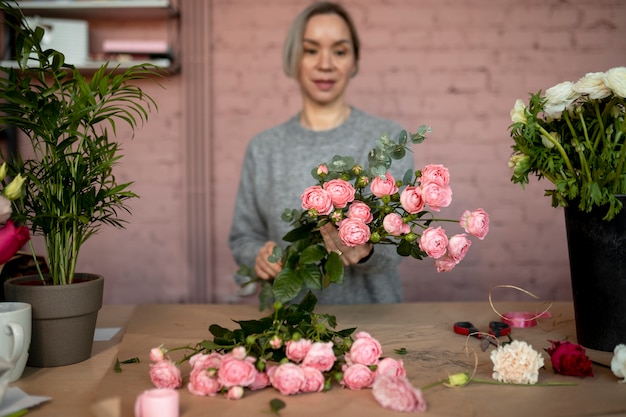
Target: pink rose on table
[(390, 366), (435, 173), (234, 393), (203, 383), (288, 378), (445, 263), (261, 380), (411, 199), (354, 232), (165, 374), (569, 358), (397, 393), (157, 354), (234, 372), (341, 192), (296, 350), (204, 361), (434, 242), (360, 211), (357, 376), (436, 196), (321, 356), (394, 225), (318, 199), (382, 187), (458, 245), (313, 380), (365, 350), (476, 223)]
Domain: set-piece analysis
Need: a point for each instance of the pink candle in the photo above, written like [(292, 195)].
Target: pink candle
[(158, 402)]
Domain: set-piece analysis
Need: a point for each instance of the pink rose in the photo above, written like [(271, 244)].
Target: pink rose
[(458, 245), (435, 173), (354, 232), (476, 223), (157, 354), (288, 378), (411, 199), (165, 374), (360, 211), (318, 199), (445, 263), (11, 240), (381, 187), (261, 380), (202, 383), (297, 350), (321, 356), (436, 196), (276, 342), (569, 358), (365, 350), (238, 352), (322, 170), (434, 242), (397, 393), (204, 362), (234, 393), (390, 367), (236, 372), (394, 225), (313, 380), (341, 192), (357, 376)]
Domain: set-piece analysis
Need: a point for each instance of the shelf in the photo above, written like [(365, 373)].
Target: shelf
[(94, 65), (119, 9)]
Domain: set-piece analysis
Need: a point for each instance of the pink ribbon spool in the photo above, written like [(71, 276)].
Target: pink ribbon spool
[(523, 319)]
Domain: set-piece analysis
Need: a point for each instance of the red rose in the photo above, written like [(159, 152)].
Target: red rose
[(569, 358)]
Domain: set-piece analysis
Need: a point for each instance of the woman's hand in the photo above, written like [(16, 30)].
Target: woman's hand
[(349, 255), (263, 268)]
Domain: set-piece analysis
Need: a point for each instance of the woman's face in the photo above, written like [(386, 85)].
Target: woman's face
[(327, 61)]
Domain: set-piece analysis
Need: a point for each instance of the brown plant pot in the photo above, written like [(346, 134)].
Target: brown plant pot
[(64, 317)]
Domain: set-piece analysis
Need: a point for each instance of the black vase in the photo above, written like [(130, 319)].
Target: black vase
[(597, 258)]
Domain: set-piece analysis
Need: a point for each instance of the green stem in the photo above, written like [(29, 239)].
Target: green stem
[(543, 384), (579, 151), (620, 164), (558, 146)]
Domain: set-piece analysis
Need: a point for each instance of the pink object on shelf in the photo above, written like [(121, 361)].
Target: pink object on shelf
[(139, 47)]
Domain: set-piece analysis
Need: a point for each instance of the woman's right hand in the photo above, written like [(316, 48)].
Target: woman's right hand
[(263, 268)]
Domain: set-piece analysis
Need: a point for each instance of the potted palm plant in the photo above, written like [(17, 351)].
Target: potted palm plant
[(70, 190), (574, 135)]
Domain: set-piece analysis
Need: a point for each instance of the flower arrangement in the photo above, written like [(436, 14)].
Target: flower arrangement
[(69, 187), (368, 205), (12, 237), (573, 135)]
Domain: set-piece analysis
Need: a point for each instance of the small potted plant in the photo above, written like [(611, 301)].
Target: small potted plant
[(70, 190)]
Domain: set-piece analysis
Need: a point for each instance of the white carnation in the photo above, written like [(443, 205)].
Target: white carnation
[(592, 84), (516, 362), (560, 97), (615, 79), (618, 363)]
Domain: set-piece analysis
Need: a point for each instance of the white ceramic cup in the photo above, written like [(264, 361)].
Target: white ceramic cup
[(158, 402), (15, 328)]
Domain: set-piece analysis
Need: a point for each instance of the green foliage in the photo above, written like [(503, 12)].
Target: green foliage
[(581, 152), (70, 188)]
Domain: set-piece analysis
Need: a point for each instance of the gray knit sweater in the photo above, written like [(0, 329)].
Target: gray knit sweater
[(277, 169)]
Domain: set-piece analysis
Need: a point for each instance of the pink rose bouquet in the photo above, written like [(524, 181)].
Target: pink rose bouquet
[(369, 206), (12, 236)]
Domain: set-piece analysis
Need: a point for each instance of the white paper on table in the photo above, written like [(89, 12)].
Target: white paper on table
[(15, 400)]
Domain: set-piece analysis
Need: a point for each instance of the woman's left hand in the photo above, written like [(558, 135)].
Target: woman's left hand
[(349, 255)]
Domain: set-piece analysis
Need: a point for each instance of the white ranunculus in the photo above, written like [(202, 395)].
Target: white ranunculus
[(547, 142), (5, 209), (559, 97), (592, 84), (615, 79), (518, 113), (618, 363)]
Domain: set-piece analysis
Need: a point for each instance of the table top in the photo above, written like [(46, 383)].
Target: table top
[(434, 351)]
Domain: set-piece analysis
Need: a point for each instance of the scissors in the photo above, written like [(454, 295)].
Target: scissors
[(496, 329)]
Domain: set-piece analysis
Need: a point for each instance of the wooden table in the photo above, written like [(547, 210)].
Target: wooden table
[(92, 388)]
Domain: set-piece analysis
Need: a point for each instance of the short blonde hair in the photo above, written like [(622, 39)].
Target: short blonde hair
[(293, 49)]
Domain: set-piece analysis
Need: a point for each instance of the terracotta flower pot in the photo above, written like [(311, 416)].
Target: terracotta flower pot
[(64, 317)]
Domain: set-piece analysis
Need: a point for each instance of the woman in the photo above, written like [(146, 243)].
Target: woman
[(321, 53)]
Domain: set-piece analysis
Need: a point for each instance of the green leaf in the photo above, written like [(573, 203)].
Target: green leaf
[(299, 232), (276, 405), (311, 275), (312, 254), (287, 285), (334, 269), (218, 331)]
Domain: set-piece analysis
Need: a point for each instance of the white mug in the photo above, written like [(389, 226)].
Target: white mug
[(15, 328), (158, 402)]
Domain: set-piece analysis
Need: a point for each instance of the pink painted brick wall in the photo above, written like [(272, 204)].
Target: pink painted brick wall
[(457, 66)]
